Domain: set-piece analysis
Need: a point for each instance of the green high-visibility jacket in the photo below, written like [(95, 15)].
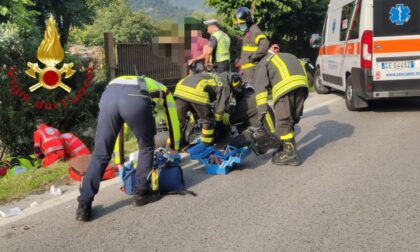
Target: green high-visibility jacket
[(164, 106)]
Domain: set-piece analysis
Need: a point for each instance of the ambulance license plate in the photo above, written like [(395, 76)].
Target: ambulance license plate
[(398, 65)]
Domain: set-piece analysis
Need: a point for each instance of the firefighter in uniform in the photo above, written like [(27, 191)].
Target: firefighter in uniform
[(48, 145), (254, 44), (217, 52), (197, 92), (124, 100), (285, 76), (164, 107), (243, 113)]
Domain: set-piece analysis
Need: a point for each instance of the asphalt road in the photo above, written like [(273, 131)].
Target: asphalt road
[(357, 190)]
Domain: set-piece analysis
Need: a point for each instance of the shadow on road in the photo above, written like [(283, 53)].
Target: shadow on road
[(323, 134), (324, 110), (406, 105), (99, 211)]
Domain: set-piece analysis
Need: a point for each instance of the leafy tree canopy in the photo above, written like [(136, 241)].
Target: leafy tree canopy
[(68, 13), (16, 12), (288, 22), (116, 17)]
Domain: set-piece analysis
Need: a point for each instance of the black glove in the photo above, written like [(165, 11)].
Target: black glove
[(38, 153)]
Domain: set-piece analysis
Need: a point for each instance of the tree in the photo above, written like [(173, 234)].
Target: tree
[(16, 12), (17, 47), (288, 22), (118, 18), (67, 13), (160, 9)]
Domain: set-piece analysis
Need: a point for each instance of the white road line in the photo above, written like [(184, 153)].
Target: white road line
[(66, 197), (336, 99), (105, 184)]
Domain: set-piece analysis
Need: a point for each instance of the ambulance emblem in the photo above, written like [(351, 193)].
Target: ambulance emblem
[(400, 14)]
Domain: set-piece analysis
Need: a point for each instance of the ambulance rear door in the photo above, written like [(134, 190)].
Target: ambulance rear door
[(396, 48)]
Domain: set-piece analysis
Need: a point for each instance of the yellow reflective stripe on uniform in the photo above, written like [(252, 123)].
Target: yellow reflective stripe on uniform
[(246, 66), (206, 139), (304, 68), (270, 123), (284, 66), (172, 116), (127, 77), (117, 157), (281, 67), (288, 136), (218, 117), (204, 83), (192, 94), (262, 98), (249, 48), (207, 131), (289, 84), (259, 37)]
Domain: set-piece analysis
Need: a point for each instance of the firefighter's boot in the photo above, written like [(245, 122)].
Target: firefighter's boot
[(288, 156)]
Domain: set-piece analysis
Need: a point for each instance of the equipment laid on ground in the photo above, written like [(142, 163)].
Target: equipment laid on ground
[(166, 175), (217, 162), (4, 166), (17, 165), (79, 165)]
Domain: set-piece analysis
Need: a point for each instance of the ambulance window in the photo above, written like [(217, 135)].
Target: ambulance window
[(345, 20), (354, 32)]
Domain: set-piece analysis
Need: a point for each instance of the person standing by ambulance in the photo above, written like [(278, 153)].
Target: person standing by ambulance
[(254, 44)]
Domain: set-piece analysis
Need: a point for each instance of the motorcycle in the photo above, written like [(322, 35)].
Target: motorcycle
[(310, 70)]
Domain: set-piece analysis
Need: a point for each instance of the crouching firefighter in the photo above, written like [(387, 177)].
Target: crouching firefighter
[(285, 76), (123, 101), (197, 92), (164, 106), (242, 116)]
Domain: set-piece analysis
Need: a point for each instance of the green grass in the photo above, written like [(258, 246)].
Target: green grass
[(130, 146), (17, 186), (34, 180)]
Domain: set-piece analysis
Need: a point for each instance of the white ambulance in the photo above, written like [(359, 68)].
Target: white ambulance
[(370, 49)]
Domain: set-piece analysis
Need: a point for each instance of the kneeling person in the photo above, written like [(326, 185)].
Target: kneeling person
[(285, 76), (243, 114), (197, 92)]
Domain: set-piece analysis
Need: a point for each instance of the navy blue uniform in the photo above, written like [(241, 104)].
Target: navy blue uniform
[(121, 103)]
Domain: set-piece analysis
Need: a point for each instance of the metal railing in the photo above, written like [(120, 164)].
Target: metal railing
[(148, 61)]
